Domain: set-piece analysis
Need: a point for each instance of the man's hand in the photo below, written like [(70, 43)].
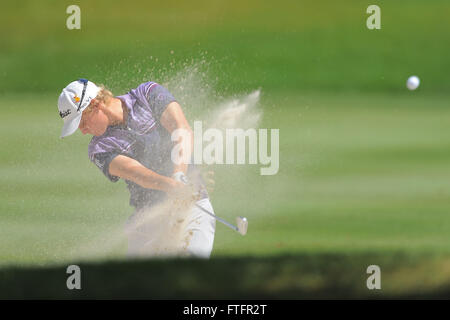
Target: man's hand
[(181, 177), (183, 193)]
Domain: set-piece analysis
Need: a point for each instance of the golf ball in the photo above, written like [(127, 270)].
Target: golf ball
[(412, 83)]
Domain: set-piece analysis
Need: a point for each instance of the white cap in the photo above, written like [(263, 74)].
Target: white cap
[(72, 101)]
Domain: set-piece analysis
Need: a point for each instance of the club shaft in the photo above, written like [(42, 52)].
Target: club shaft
[(217, 218)]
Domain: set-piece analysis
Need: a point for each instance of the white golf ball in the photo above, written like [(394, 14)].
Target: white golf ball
[(412, 83)]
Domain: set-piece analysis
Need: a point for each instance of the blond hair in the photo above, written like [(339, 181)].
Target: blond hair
[(103, 95)]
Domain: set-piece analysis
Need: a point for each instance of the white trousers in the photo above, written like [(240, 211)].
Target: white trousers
[(163, 231)]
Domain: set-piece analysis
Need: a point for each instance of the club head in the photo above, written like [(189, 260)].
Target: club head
[(242, 225)]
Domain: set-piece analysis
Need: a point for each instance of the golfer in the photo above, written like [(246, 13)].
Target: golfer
[(132, 141)]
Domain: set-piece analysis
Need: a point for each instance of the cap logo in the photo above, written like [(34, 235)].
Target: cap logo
[(76, 98), (64, 114)]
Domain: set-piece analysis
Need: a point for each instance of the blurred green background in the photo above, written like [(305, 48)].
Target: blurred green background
[(290, 45), (363, 161)]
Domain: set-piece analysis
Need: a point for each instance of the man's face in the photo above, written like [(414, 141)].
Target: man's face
[(94, 122)]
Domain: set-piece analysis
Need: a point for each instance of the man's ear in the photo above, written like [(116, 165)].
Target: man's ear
[(95, 104)]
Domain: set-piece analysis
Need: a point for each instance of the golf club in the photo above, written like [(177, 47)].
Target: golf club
[(241, 222)]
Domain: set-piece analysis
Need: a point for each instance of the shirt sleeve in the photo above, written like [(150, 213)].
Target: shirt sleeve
[(102, 150), (158, 98), (102, 161)]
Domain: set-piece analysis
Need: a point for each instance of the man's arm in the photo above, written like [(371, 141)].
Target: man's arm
[(130, 169), (173, 118)]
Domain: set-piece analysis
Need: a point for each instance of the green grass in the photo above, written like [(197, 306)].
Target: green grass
[(302, 276), (357, 173), (294, 45), (363, 162)]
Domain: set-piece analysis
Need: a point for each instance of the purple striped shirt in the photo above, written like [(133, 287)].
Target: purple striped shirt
[(142, 138)]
